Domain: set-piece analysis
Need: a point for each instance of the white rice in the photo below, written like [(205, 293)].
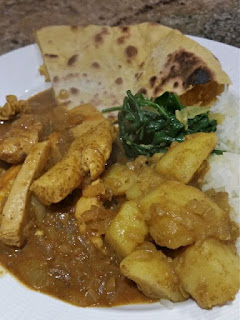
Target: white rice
[(224, 173), (229, 131)]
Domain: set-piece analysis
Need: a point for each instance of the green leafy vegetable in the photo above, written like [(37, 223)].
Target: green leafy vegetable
[(218, 152), (148, 126)]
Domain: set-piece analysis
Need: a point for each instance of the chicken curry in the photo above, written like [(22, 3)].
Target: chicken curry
[(81, 222)]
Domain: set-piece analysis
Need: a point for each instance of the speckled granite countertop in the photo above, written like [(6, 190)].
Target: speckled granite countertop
[(213, 19)]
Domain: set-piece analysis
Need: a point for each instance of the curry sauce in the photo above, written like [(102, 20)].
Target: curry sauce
[(56, 258), (61, 262)]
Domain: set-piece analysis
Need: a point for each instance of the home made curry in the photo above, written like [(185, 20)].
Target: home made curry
[(125, 231)]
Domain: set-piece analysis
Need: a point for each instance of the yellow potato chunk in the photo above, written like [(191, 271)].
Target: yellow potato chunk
[(119, 178), (183, 160), (179, 215), (127, 230), (153, 273), (147, 179), (209, 272)]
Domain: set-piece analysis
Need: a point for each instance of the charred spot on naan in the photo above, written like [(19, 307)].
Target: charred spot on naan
[(143, 91), (119, 81), (131, 51), (96, 65), (121, 40), (50, 55), (74, 28), (99, 37), (55, 79), (152, 81), (125, 30), (186, 69), (71, 75), (74, 90), (138, 75), (121, 51), (72, 60), (200, 75)]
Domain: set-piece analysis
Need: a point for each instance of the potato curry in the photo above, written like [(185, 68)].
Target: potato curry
[(81, 222)]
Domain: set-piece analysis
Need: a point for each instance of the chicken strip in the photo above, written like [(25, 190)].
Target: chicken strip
[(87, 154), (55, 154), (85, 127), (84, 113), (18, 141), (14, 217), (83, 119), (6, 182), (97, 147), (61, 179), (3, 167)]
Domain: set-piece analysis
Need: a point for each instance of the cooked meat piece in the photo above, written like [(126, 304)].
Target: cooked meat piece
[(6, 182), (3, 167), (179, 215), (153, 273), (84, 127), (2, 171), (12, 107), (97, 148), (14, 216), (84, 118), (87, 153), (84, 113), (209, 271), (18, 141), (55, 154), (61, 179)]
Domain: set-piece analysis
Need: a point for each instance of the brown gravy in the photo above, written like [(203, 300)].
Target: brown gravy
[(56, 259)]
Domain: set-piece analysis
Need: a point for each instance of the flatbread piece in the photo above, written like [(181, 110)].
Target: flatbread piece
[(98, 64)]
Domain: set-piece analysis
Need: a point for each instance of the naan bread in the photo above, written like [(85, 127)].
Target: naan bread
[(98, 64)]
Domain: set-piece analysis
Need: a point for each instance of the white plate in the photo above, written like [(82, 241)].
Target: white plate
[(19, 75)]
